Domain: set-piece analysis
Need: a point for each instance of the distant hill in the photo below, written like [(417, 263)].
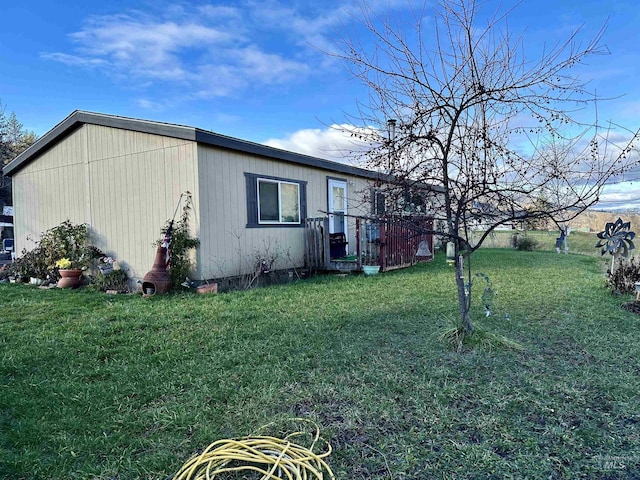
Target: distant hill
[(595, 220)]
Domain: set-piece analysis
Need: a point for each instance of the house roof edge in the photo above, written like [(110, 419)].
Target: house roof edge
[(80, 117)]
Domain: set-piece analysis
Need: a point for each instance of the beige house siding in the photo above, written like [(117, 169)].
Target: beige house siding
[(136, 181), (49, 191), (229, 248), (125, 184)]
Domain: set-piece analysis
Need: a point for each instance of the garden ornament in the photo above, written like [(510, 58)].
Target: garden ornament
[(487, 295), (617, 239)]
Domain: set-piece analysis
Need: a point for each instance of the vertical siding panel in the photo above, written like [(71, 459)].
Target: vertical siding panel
[(223, 209), (140, 222), (219, 238), (205, 213), (217, 174), (203, 209), (243, 246), (134, 187), (155, 192)]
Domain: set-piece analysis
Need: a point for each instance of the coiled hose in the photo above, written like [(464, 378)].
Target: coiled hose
[(273, 458)]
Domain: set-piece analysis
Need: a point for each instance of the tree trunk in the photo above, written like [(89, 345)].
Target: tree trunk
[(463, 297)]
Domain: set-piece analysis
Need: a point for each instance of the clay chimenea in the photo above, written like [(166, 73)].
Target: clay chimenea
[(157, 280)]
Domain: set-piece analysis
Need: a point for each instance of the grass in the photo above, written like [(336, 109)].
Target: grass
[(579, 242), (104, 387)]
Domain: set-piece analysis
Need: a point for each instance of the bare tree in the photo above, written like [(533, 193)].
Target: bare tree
[(474, 115)]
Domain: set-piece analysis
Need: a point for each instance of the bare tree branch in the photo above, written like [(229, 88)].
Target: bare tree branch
[(492, 128)]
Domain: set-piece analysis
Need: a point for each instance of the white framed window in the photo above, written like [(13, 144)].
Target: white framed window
[(274, 202), (278, 202)]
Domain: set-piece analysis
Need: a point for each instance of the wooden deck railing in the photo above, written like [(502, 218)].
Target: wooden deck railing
[(395, 242), (317, 243), (391, 242)]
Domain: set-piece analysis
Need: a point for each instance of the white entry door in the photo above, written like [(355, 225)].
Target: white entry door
[(337, 206)]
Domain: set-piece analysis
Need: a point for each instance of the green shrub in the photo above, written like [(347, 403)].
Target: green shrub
[(114, 280), (62, 241), (623, 279), (30, 264), (66, 241), (525, 243), (181, 244)]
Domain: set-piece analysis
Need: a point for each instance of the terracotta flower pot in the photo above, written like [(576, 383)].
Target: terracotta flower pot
[(71, 278)]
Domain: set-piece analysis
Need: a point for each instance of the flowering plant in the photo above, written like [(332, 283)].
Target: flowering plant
[(108, 260), (63, 264), (106, 264), (66, 242)]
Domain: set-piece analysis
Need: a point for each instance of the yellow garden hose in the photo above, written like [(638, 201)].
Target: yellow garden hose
[(273, 458)]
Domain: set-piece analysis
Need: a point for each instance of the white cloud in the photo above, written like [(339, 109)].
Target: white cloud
[(205, 49), (145, 46), (74, 60), (250, 66), (212, 50), (316, 27), (335, 142), (620, 196), (219, 11), (153, 105), (269, 67), (307, 29)]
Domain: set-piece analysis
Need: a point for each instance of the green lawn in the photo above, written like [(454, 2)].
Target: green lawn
[(579, 242), (97, 386)]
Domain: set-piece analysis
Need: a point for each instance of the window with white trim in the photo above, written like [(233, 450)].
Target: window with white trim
[(278, 201), (275, 202)]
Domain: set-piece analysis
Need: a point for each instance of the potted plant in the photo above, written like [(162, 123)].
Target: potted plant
[(70, 275)]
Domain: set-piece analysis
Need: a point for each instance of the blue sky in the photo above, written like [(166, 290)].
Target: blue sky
[(253, 69)]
